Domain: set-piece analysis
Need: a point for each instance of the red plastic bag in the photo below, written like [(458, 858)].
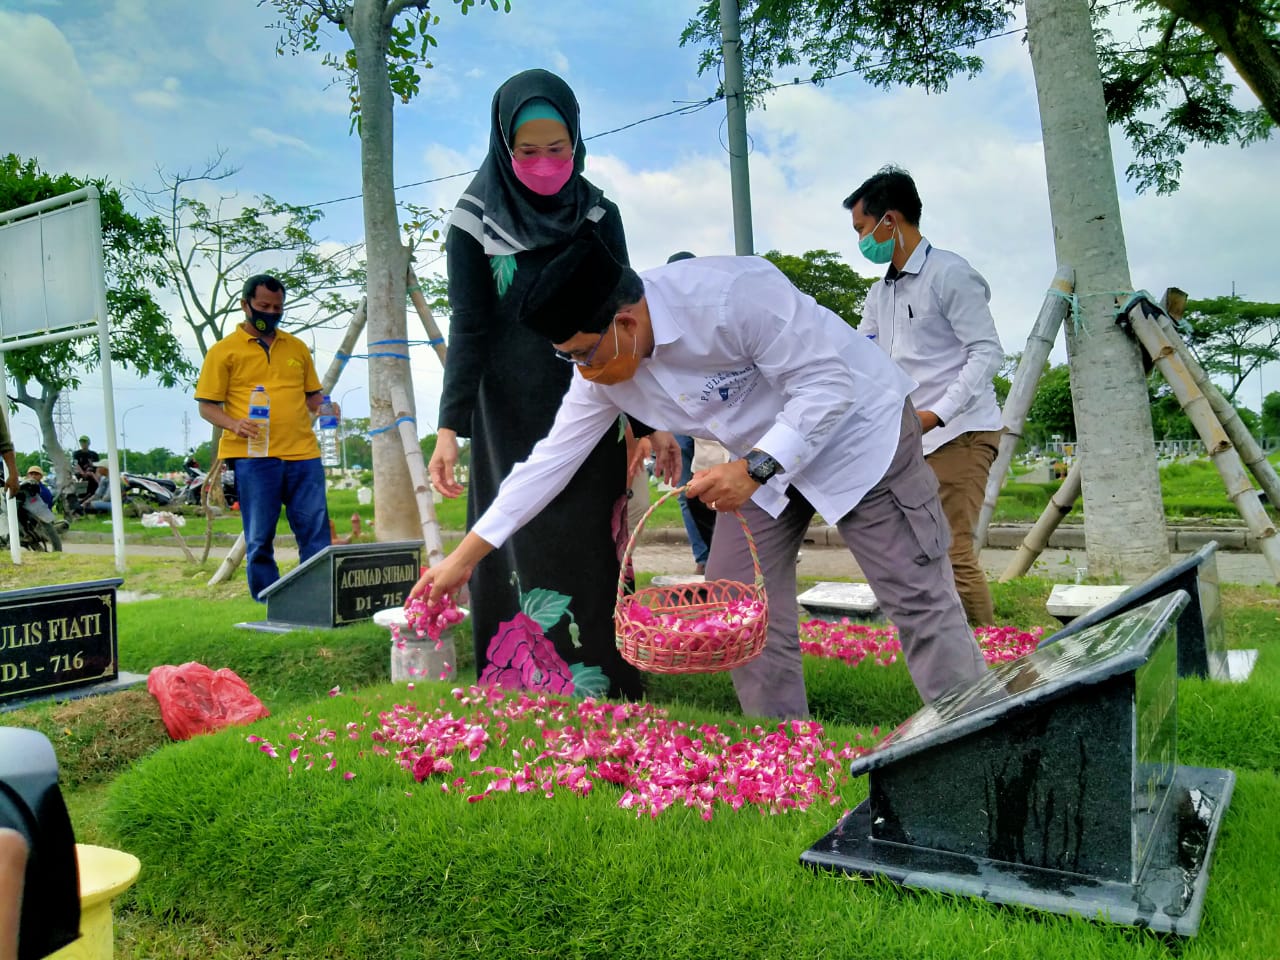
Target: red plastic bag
[(194, 699)]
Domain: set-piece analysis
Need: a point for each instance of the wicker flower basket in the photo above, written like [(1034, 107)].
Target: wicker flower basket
[(691, 628)]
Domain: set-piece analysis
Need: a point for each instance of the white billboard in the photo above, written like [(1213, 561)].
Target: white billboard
[(48, 280)]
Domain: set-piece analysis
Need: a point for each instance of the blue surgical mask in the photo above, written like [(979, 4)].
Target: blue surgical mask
[(876, 251)]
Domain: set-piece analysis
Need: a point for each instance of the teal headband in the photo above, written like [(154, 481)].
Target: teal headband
[(536, 109)]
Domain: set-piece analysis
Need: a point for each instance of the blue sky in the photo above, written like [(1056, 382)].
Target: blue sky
[(123, 87)]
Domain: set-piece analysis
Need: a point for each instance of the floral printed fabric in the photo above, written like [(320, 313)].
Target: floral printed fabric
[(522, 658)]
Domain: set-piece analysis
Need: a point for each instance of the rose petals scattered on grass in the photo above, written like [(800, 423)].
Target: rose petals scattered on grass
[(855, 642), (580, 745)]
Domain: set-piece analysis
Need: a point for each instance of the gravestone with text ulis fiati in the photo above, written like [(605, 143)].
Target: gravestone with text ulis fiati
[(1052, 782), (342, 584), (59, 641)]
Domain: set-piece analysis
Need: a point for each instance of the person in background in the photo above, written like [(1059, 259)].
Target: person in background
[(817, 416), (36, 475), (503, 383), (256, 353), (931, 315), (100, 500)]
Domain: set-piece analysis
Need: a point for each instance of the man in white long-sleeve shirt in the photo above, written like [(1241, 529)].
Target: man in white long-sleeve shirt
[(725, 348), (930, 314)]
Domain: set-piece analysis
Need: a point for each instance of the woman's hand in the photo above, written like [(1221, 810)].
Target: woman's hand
[(453, 571), (443, 460), (667, 464), (637, 453)]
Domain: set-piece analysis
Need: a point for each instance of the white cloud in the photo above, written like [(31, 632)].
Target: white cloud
[(51, 112), (166, 97), (270, 138)]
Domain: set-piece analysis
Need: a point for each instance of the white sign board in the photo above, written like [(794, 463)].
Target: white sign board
[(46, 283), (53, 287)]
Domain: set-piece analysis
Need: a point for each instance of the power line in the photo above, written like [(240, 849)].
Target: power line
[(696, 106)]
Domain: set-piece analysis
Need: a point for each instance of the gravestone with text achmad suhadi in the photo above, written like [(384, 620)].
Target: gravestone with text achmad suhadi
[(342, 584), (1051, 782), (58, 640)]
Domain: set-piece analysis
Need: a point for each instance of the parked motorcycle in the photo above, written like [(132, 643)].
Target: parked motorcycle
[(153, 490), (192, 491), (37, 527)]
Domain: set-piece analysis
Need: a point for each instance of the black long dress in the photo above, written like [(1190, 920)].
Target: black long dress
[(502, 387)]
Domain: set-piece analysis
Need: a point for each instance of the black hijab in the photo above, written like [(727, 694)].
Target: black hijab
[(500, 212)]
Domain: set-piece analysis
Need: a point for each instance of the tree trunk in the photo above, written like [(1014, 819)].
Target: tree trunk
[(1241, 35), (1123, 513), (394, 510), (43, 407)]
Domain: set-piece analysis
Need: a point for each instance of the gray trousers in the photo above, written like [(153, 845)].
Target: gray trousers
[(898, 534)]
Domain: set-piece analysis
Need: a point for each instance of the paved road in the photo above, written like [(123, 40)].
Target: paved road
[(821, 562)]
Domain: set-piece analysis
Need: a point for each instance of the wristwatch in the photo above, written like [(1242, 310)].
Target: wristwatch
[(761, 466)]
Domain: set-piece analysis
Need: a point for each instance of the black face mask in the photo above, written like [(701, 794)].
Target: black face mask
[(265, 322)]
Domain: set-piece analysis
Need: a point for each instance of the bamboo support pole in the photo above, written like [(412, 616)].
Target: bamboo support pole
[(212, 482), (1255, 459), (1033, 544), (339, 362), (418, 472), (1201, 414), (425, 315), (229, 562), (172, 522), (1023, 391)]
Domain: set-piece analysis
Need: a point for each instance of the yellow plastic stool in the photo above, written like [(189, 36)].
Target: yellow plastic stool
[(104, 875)]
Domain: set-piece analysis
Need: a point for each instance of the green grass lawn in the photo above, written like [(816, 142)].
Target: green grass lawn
[(1191, 491), (247, 857)]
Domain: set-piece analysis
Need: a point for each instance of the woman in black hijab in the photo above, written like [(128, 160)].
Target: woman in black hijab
[(502, 387)]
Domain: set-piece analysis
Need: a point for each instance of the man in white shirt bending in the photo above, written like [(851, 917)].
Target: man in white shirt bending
[(930, 315), (725, 348)]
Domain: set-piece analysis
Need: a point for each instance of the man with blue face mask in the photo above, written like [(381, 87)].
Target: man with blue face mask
[(288, 472), (931, 315)]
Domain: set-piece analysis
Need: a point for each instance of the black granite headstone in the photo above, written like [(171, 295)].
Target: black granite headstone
[(1202, 638), (1051, 782), (57, 638), (342, 584)]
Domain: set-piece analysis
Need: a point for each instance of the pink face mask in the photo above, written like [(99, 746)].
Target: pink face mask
[(543, 175)]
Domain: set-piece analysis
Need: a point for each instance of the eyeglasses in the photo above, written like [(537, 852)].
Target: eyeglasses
[(586, 360)]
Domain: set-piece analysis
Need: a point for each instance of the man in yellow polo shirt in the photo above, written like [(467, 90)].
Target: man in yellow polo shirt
[(290, 474)]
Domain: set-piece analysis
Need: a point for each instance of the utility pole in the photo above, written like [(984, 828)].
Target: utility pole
[(736, 114), (186, 433)]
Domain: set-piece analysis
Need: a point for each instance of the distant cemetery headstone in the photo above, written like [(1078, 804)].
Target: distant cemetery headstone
[(1202, 637), (1052, 782), (342, 584), (1067, 601), (58, 640), (835, 599)]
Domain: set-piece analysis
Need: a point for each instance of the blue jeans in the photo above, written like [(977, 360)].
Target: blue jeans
[(263, 485), (696, 541)]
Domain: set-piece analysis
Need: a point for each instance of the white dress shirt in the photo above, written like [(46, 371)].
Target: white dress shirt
[(742, 357), (933, 319)]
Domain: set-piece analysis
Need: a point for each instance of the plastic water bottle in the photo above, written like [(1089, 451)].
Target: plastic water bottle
[(327, 421), (260, 417)]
